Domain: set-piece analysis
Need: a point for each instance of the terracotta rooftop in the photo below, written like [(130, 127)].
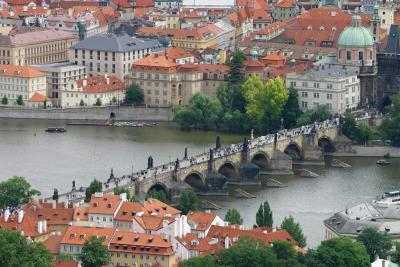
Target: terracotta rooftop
[(77, 235), (101, 84), (54, 215), (159, 207), (43, 36), (62, 263), (150, 222), (53, 243), (128, 211), (144, 243), (203, 245), (201, 220), (285, 4), (81, 213), (37, 97), (107, 203), (20, 71)]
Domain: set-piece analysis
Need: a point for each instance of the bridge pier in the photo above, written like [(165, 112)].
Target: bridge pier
[(280, 164)]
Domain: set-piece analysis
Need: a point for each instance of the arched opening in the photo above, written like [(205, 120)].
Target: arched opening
[(158, 191), (229, 170), (195, 180), (294, 151), (261, 160), (326, 144)]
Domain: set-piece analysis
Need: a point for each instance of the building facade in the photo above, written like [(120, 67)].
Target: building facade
[(113, 54), (335, 86), (35, 47)]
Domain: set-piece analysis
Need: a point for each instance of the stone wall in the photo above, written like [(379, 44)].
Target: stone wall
[(92, 113), (370, 151)]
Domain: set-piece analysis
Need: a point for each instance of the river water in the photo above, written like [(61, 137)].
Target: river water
[(53, 160)]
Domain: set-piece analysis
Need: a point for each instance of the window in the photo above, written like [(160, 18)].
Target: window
[(348, 55), (329, 86), (328, 96), (316, 95), (113, 68), (361, 55), (304, 104), (316, 85), (293, 83), (304, 84)]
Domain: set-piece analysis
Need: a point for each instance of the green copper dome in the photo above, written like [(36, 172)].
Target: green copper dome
[(356, 35)]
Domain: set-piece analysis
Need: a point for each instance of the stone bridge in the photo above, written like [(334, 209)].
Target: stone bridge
[(208, 173)]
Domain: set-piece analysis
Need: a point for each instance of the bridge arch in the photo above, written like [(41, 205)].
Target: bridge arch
[(195, 180), (261, 159), (159, 187), (294, 151), (326, 144), (229, 170)]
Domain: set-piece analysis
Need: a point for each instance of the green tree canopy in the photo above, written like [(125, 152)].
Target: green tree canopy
[(202, 113), (236, 65), (81, 103), (376, 244), (340, 251), (16, 191), (98, 102), (283, 249), (20, 101), (294, 229), (264, 102), (158, 194), (4, 100), (188, 202), (134, 95), (94, 253), (390, 127), (65, 257), (95, 186), (15, 251), (291, 110), (364, 133), (349, 126), (119, 190), (264, 215), (233, 217), (318, 114)]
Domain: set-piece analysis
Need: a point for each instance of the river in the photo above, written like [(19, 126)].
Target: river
[(53, 160)]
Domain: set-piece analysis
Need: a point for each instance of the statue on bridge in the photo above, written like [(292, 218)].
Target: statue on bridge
[(177, 164), (211, 154), (218, 142), (73, 186), (55, 195), (186, 153), (112, 174), (150, 162), (245, 144)]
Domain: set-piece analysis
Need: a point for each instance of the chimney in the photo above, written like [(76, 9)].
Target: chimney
[(107, 80), (274, 230), (226, 242), (65, 204), (84, 83), (40, 227), (123, 197), (6, 215), (105, 75), (44, 226), (53, 204), (20, 216)]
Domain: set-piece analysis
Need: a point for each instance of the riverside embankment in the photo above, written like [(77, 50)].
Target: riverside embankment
[(92, 113)]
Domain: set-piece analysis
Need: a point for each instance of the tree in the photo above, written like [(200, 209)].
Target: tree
[(264, 102), (4, 100), (318, 114), (364, 133), (16, 251), (114, 100), (291, 111), (264, 215), (188, 202), (202, 113), (236, 65), (376, 244), (283, 249), (294, 229), (202, 261), (45, 104), (82, 103), (396, 253), (95, 186), (390, 127), (341, 251), (15, 192), (349, 126), (65, 257), (98, 102), (233, 217), (20, 101), (94, 253), (134, 95), (157, 194), (119, 190)]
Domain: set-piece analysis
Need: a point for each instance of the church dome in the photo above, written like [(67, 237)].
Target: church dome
[(356, 35)]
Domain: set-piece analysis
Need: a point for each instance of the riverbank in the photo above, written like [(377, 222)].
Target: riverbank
[(90, 113), (370, 151)]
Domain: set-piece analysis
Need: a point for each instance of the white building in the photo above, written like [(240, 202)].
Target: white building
[(58, 75), (225, 36), (208, 3), (104, 207), (110, 53), (100, 89), (21, 81), (336, 86)]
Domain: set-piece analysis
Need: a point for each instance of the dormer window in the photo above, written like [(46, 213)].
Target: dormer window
[(95, 205), (109, 205)]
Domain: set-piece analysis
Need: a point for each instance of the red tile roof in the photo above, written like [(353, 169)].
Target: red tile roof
[(144, 3), (53, 243), (54, 216), (37, 97), (201, 220), (62, 263), (107, 203), (77, 235), (203, 245), (144, 243), (20, 71), (128, 211), (285, 4), (28, 225), (81, 213), (159, 207)]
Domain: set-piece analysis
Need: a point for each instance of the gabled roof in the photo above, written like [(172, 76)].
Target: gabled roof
[(150, 222), (20, 71), (203, 245), (59, 215), (101, 84), (53, 244), (201, 220), (77, 235), (37, 97), (156, 206), (285, 4), (105, 204), (128, 211)]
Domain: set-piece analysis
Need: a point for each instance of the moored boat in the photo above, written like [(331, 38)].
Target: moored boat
[(388, 199), (56, 130), (383, 162)]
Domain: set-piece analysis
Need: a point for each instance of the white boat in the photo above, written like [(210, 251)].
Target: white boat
[(388, 199)]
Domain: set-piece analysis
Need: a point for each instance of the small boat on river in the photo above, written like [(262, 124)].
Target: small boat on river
[(383, 162), (56, 130), (388, 199)]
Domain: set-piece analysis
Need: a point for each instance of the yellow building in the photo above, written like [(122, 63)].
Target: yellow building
[(140, 250)]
